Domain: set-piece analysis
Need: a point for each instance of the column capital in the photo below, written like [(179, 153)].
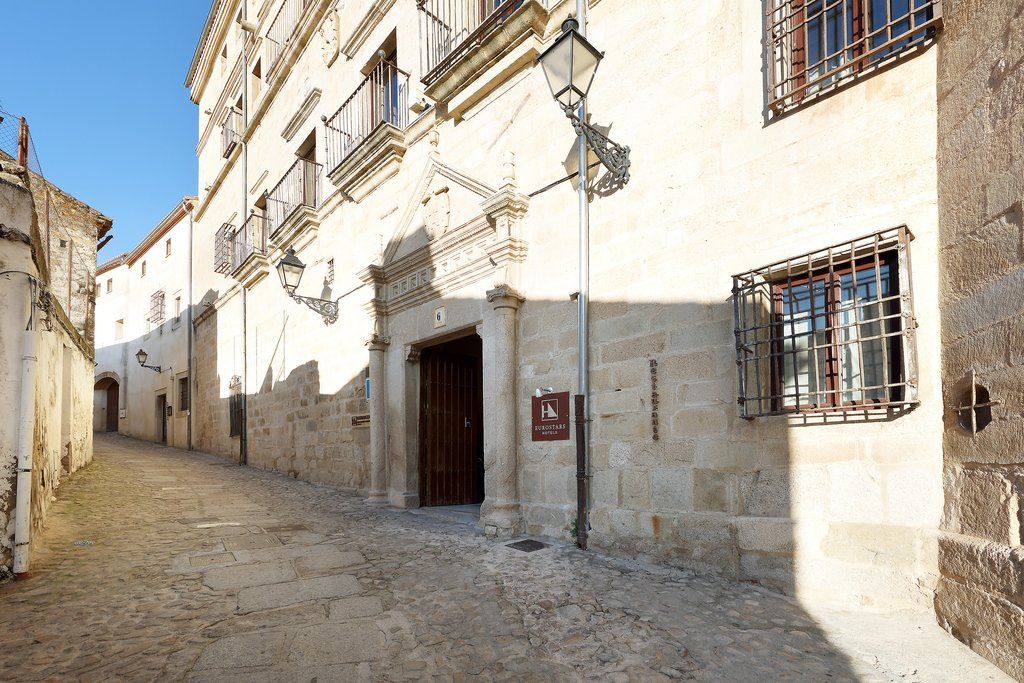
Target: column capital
[(505, 296), (378, 342)]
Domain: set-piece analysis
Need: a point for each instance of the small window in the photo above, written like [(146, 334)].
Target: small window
[(827, 331), (183, 396), (816, 44), (118, 329), (167, 247), (143, 269), (110, 285), (177, 307)]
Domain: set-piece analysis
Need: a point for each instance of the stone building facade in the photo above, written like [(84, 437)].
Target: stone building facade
[(142, 303), (46, 361), (980, 595), (422, 182)]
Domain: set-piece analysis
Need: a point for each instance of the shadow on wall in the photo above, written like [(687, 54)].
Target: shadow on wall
[(677, 475), (291, 426)]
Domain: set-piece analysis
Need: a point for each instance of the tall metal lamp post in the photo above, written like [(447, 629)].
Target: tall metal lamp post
[(290, 270), (569, 66)]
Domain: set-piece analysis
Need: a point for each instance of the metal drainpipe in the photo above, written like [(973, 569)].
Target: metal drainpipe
[(188, 332), (582, 305), (26, 429), (243, 444)]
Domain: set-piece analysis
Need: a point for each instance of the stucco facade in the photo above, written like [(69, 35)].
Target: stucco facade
[(449, 221), (143, 303), (45, 364)]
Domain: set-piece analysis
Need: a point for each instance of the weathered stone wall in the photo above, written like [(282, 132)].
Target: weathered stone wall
[(62, 441), (980, 596)]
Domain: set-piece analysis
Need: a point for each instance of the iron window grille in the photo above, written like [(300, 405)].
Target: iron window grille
[(831, 330), (183, 394), (222, 248), (230, 131), (814, 45), (156, 308)]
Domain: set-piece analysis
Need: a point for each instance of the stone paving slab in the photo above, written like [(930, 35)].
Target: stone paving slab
[(312, 584), (281, 594)]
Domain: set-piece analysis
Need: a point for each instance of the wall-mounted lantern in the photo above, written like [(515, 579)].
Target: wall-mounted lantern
[(569, 66), (290, 269), (142, 357)]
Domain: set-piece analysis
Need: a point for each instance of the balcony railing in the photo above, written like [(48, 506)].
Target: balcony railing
[(230, 130), (299, 187), (250, 239), (450, 28), (281, 29), (382, 97)]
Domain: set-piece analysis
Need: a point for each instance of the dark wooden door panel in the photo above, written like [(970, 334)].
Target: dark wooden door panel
[(451, 434)]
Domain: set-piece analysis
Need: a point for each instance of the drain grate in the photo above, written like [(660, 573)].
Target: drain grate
[(528, 546), (83, 542)]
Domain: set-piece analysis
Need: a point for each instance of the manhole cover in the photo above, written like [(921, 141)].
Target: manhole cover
[(528, 546), (83, 542)]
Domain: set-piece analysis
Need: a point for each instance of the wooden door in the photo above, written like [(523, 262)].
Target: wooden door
[(451, 424), (161, 418), (113, 401)]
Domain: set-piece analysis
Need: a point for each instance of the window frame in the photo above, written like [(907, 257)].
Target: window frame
[(786, 29), (833, 390), (761, 331)]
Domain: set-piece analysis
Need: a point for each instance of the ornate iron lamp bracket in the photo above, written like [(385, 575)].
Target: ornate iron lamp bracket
[(614, 156), (327, 309)]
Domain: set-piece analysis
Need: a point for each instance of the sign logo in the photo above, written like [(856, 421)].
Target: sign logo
[(550, 417)]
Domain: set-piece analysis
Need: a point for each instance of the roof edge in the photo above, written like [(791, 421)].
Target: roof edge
[(204, 38), (180, 210)]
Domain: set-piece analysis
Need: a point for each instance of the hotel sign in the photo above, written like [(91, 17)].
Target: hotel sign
[(550, 417)]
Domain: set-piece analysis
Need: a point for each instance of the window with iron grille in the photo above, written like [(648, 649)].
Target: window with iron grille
[(831, 330), (813, 45), (156, 308), (183, 394), (223, 241)]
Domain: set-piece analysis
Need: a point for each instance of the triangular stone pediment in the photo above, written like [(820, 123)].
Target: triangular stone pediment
[(444, 199)]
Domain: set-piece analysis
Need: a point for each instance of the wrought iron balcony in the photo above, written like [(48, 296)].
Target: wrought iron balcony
[(299, 187), (250, 239), (230, 132), (282, 28), (382, 98), (450, 28)]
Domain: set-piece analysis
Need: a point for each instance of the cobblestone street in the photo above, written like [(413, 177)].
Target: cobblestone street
[(163, 564)]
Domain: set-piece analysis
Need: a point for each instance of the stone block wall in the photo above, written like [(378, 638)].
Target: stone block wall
[(980, 595)]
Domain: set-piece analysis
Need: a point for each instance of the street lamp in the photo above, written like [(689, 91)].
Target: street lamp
[(569, 66), (142, 357), (290, 270)]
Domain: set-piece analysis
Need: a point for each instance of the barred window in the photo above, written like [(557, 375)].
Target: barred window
[(223, 244), (831, 330), (817, 44), (183, 394), (156, 308)]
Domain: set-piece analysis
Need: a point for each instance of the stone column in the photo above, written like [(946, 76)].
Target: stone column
[(500, 513), (378, 421)]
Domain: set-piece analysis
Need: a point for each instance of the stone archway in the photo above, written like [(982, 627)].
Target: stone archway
[(107, 402)]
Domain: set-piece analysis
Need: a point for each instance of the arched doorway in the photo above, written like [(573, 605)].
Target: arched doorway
[(106, 403)]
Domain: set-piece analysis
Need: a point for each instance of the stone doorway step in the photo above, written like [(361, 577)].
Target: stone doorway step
[(456, 514)]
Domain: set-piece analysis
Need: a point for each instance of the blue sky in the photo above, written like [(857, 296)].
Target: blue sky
[(101, 85)]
